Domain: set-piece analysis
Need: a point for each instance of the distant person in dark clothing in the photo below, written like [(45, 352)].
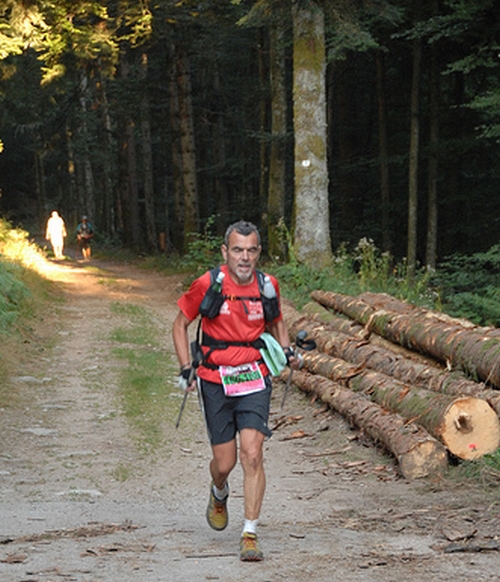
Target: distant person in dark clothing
[(84, 234)]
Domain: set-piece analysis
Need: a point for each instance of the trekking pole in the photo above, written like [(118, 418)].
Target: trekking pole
[(300, 343), (196, 355), (184, 399)]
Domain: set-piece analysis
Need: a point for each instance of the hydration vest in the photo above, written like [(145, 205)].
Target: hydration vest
[(213, 300), (212, 303)]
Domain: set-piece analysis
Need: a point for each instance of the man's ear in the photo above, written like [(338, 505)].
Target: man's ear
[(223, 250)]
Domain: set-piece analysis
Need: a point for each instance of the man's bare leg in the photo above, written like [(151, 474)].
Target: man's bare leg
[(254, 486), (223, 461), (221, 465), (254, 477)]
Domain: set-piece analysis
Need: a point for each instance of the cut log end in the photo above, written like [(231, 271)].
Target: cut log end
[(428, 458), (471, 428)]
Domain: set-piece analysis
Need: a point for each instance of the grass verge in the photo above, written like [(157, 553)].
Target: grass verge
[(24, 296), (145, 394)]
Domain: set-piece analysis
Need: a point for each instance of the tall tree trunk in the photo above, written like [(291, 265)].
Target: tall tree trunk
[(108, 211), (432, 196), (188, 150), (219, 153), (347, 193), (178, 217), (383, 153), (277, 161), (89, 202), (73, 186), (414, 152), (127, 179), (311, 233), (454, 183), (39, 180), (132, 179), (147, 161), (263, 49)]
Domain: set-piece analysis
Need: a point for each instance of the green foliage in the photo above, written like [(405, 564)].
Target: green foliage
[(145, 394), (485, 470), (15, 27), (203, 250), (17, 257), (365, 268), (470, 286), (23, 292), (492, 461), (12, 294)]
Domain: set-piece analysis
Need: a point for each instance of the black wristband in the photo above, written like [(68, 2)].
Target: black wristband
[(289, 353), (186, 373)]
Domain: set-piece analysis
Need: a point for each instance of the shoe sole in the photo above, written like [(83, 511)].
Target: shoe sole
[(252, 559)]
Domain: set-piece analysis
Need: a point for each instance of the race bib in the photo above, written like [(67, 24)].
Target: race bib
[(241, 380)]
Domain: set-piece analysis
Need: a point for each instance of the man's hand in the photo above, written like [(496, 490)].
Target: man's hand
[(296, 362), (294, 359), (187, 379)]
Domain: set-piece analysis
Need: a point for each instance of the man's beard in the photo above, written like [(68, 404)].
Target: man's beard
[(244, 273)]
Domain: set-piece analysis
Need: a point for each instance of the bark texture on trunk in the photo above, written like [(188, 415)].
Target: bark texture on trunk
[(477, 353), (187, 142), (147, 162), (383, 359), (383, 153), (88, 174), (178, 204), (340, 324), (418, 453), (413, 154), (311, 236), (277, 158), (384, 301), (468, 427)]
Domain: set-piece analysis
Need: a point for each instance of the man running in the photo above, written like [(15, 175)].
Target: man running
[(234, 381)]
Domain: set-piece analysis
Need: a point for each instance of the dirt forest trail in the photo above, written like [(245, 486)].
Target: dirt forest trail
[(82, 500)]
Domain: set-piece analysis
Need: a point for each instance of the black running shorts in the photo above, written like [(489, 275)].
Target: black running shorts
[(227, 415)]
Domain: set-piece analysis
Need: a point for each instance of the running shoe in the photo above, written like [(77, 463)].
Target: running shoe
[(249, 548), (217, 511)]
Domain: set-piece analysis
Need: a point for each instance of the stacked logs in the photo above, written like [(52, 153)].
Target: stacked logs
[(368, 368)]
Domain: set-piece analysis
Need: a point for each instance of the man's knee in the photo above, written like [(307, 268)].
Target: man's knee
[(224, 458), (251, 453), (224, 466)]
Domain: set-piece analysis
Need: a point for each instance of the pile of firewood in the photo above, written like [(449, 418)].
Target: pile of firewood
[(422, 384)]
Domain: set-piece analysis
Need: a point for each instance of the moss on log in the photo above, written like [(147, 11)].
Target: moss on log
[(474, 352), (467, 426), (397, 365), (418, 453)]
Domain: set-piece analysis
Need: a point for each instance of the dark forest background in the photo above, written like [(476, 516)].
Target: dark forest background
[(96, 100)]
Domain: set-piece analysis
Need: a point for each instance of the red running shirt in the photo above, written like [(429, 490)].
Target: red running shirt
[(240, 320)]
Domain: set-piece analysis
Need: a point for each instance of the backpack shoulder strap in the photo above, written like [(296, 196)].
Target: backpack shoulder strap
[(260, 279), (213, 274)]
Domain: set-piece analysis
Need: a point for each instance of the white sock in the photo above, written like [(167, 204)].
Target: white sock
[(250, 526), (221, 494)]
